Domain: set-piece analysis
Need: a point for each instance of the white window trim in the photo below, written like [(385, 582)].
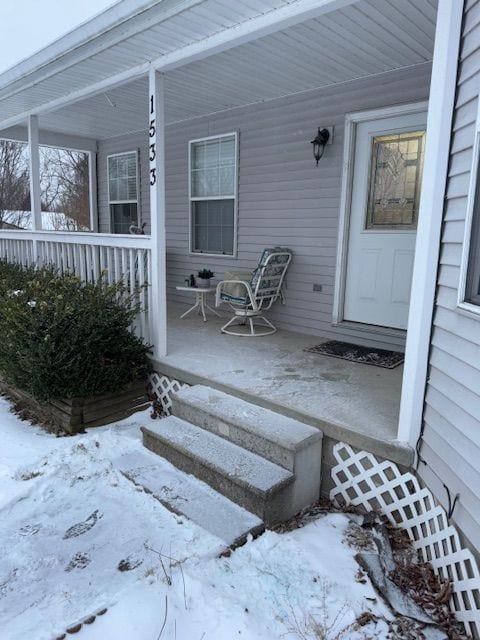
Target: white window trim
[(137, 200), (191, 199), (462, 303)]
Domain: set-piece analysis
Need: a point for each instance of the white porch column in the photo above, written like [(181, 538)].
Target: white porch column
[(156, 142), (34, 164), (427, 248), (92, 190)]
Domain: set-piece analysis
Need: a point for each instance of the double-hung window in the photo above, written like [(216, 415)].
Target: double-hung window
[(213, 191), (123, 190), (469, 290)]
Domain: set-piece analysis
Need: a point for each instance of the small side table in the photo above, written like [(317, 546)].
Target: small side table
[(200, 303)]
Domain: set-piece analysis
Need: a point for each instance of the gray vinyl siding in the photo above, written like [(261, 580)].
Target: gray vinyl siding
[(283, 199), (451, 439)]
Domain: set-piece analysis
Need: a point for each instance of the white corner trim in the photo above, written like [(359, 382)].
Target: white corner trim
[(427, 248), (351, 122)]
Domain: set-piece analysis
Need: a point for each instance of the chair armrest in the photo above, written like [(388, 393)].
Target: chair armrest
[(246, 284)]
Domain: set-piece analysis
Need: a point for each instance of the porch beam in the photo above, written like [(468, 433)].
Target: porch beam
[(427, 247), (50, 139), (263, 25), (156, 143), (34, 166), (111, 82)]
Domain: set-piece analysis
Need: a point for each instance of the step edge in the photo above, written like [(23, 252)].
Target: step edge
[(255, 530), (287, 446), (263, 493)]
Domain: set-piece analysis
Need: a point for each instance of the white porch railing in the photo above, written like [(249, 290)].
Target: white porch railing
[(89, 256)]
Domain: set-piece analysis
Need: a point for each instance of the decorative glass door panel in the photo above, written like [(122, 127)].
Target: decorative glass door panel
[(394, 183)]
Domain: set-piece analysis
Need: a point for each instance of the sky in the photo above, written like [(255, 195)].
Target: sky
[(28, 25)]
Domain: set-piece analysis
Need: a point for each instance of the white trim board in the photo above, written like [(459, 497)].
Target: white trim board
[(235, 133), (427, 248), (351, 122), (462, 303), (137, 177)]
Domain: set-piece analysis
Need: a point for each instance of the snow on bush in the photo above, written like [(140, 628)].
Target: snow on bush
[(62, 338)]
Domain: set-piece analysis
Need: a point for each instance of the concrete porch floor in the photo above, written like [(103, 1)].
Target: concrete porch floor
[(351, 402)]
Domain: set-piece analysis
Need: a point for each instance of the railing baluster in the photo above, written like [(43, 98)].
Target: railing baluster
[(131, 271), (102, 259), (64, 257), (111, 263), (96, 264), (124, 265), (149, 318), (116, 253), (88, 263), (141, 282)]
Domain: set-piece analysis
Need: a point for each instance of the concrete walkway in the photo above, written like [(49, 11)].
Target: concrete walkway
[(352, 402)]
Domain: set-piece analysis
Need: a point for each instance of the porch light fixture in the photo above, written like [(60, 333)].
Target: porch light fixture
[(319, 143)]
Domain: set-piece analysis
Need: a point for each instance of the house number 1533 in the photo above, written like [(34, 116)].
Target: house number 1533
[(151, 132)]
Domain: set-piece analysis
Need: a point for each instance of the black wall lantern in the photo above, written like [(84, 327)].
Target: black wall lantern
[(319, 143)]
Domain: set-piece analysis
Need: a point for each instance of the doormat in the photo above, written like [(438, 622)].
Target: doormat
[(355, 353)]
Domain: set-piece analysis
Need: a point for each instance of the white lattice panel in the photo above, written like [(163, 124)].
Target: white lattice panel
[(163, 387), (362, 480)]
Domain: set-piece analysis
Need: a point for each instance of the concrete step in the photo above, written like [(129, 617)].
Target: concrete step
[(291, 444), (185, 495), (256, 484)]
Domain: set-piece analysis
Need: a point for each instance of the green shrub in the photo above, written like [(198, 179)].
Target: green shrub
[(61, 338)]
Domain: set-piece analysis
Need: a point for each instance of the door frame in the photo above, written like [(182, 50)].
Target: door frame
[(351, 122)]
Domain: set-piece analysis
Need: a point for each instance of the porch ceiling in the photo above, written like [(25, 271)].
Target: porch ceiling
[(355, 41)]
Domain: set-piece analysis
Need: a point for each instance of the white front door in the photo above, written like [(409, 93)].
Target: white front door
[(387, 176)]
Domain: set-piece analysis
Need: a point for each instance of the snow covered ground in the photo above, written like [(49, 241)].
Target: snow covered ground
[(76, 536)]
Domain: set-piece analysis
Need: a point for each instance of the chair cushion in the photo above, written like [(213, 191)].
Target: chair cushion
[(272, 270), (234, 292)]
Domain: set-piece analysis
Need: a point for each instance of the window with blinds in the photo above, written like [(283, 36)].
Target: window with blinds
[(213, 187), (123, 190)]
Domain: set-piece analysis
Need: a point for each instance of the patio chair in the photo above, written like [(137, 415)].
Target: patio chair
[(249, 298)]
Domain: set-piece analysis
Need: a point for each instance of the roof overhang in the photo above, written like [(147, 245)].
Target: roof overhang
[(216, 55)]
